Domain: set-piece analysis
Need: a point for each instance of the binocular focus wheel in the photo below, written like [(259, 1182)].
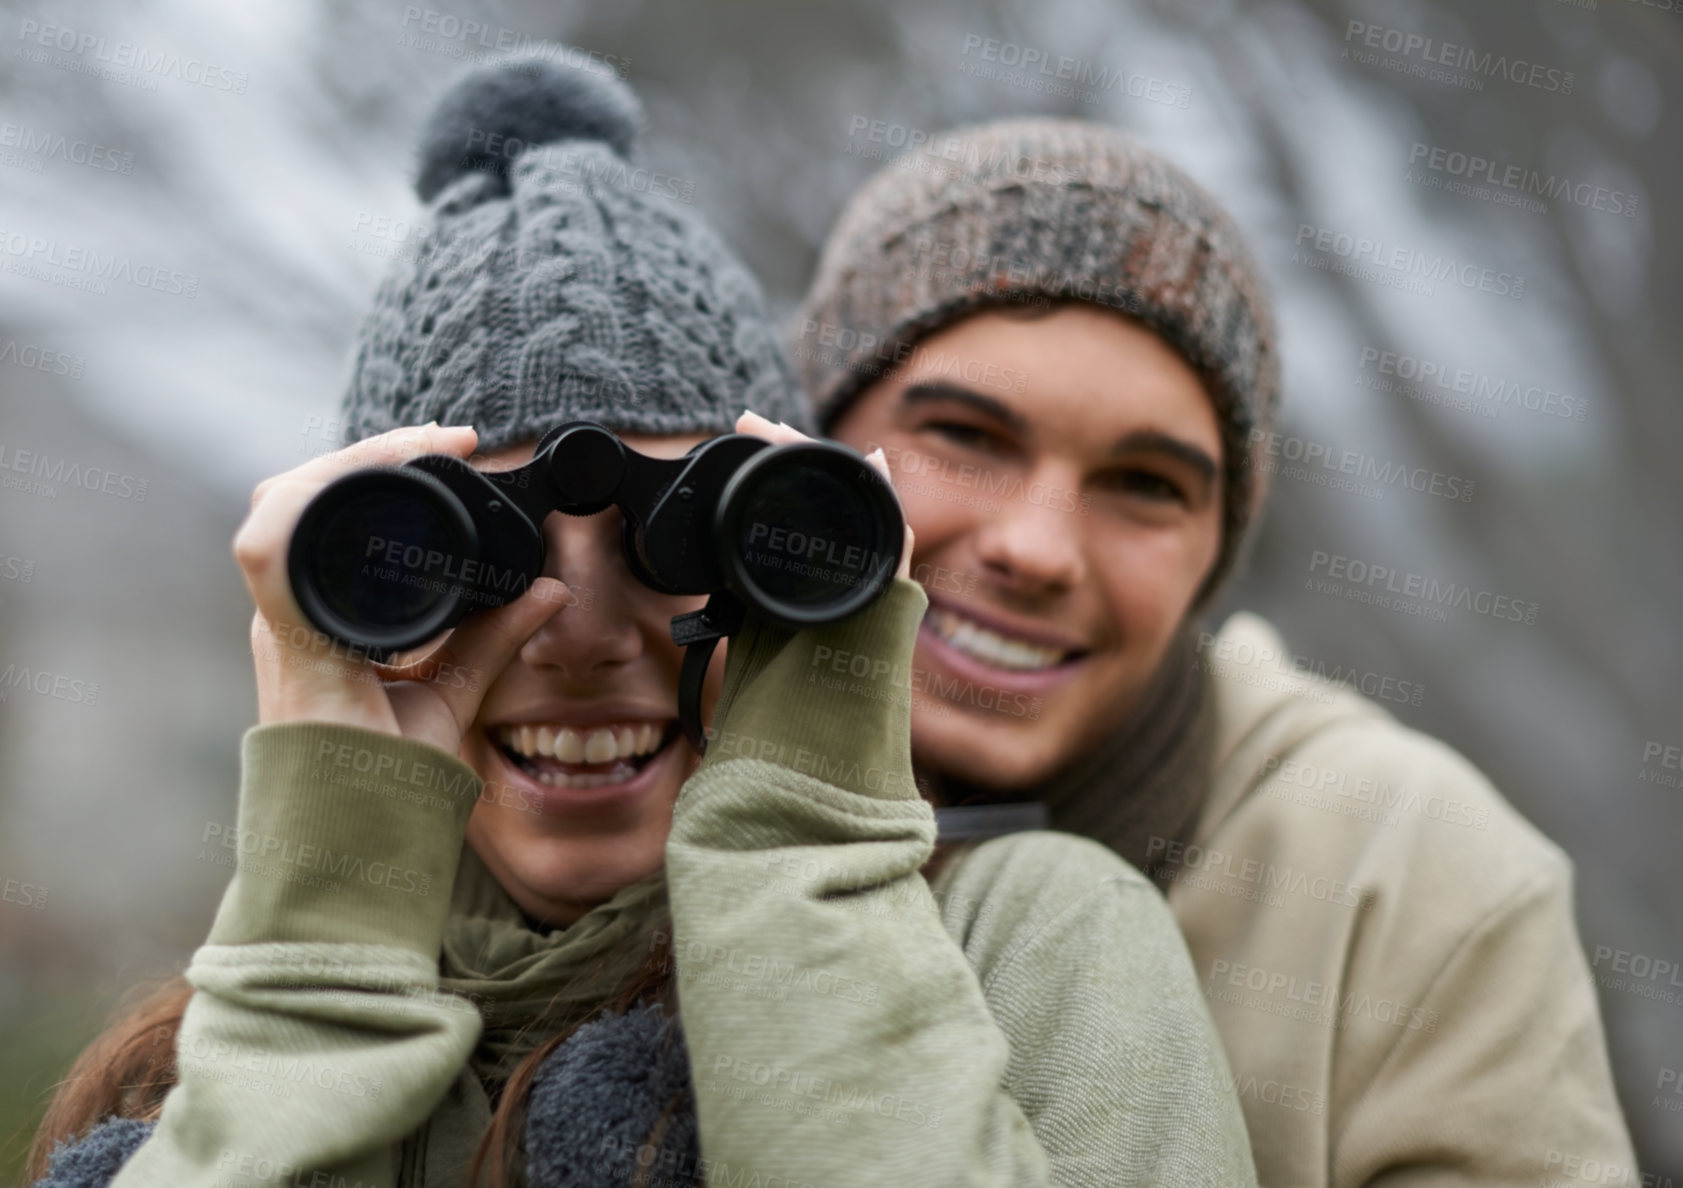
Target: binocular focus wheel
[(586, 463)]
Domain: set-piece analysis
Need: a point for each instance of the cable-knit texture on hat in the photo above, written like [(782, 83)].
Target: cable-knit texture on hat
[(1040, 209), (558, 283)]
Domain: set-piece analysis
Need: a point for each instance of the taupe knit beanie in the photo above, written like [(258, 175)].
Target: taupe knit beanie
[(1037, 209)]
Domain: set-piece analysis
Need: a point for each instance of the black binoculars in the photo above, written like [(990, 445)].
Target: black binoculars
[(805, 534)]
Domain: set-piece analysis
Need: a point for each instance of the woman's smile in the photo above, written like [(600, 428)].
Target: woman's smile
[(577, 771)]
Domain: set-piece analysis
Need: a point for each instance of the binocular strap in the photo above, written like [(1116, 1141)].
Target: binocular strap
[(690, 680), (698, 633)]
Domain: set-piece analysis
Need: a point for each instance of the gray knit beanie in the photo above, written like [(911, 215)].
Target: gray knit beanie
[(560, 281), (1045, 210)]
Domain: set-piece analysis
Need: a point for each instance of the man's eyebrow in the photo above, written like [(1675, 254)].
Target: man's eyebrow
[(1155, 440), (1140, 440), (926, 393)]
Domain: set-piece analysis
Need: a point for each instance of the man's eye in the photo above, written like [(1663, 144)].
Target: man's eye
[(960, 433), (1148, 484)]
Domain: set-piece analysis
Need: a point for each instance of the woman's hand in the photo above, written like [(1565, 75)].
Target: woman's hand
[(780, 434), (302, 675)]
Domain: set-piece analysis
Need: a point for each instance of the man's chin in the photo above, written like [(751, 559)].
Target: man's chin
[(987, 753)]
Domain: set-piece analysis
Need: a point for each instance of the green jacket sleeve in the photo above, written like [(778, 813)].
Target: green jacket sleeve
[(316, 1038), (1114, 1057), (837, 1032)]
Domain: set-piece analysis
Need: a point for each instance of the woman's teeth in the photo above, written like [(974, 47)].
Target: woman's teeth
[(971, 638), (618, 774), (603, 744)]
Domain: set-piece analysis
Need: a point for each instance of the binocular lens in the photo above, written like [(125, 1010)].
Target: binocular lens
[(815, 536), (381, 553), (387, 558)]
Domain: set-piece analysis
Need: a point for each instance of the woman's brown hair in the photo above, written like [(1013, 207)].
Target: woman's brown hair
[(130, 1068), (126, 1071)]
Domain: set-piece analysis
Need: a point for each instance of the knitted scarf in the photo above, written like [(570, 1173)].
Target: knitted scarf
[(531, 983), (1142, 786), (599, 1097)]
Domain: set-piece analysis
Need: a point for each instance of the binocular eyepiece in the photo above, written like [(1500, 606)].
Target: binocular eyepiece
[(386, 558)]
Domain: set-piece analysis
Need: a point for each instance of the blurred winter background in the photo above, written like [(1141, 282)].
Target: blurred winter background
[(274, 186)]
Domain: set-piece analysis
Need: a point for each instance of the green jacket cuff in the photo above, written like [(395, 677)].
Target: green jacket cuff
[(344, 835), (831, 702)]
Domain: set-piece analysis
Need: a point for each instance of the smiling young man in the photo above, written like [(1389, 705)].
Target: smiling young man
[(1068, 356)]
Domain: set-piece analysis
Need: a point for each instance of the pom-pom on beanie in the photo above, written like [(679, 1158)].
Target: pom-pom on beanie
[(555, 283)]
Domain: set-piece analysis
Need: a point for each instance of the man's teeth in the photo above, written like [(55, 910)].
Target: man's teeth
[(600, 745), (971, 638)]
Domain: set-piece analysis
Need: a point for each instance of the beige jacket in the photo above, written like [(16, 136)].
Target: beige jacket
[(1387, 947)]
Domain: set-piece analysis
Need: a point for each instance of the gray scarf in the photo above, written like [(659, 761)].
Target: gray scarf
[(597, 1114)]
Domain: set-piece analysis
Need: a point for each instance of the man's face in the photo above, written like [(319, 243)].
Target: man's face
[(1062, 473)]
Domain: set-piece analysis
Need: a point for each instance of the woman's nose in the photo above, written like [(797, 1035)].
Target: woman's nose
[(598, 629)]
